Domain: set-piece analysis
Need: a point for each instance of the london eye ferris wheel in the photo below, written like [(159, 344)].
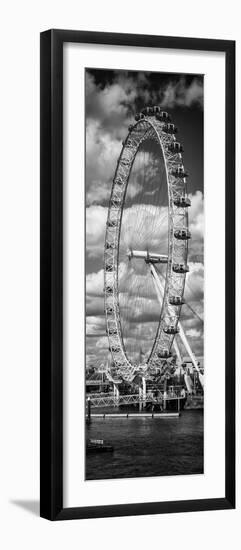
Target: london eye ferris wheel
[(146, 246)]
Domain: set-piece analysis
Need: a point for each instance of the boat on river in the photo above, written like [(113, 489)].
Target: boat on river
[(98, 446)]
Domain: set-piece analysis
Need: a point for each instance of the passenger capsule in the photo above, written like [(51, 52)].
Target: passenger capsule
[(108, 289), (182, 201), (163, 116), (147, 111), (112, 223), (180, 268), (170, 129), (109, 267), (179, 172), (112, 331), (139, 116), (116, 202), (114, 349), (110, 245), (171, 329), (164, 354), (119, 182), (182, 234), (156, 109), (175, 147), (176, 300), (130, 127)]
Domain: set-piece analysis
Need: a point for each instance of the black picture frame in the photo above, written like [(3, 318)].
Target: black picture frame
[(51, 323)]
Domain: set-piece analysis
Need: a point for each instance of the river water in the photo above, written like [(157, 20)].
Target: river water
[(147, 446)]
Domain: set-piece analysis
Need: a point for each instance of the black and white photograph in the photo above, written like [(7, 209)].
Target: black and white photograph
[(144, 271), (120, 393)]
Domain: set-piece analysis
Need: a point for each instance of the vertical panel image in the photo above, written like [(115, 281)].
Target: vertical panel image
[(144, 192)]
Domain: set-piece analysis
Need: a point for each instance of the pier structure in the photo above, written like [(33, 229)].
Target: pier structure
[(146, 393), (104, 389), (114, 399)]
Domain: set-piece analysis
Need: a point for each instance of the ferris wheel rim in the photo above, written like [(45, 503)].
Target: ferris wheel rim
[(172, 160)]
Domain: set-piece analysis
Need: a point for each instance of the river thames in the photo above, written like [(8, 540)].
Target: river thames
[(147, 447)]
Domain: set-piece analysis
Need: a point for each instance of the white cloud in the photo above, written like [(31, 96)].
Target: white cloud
[(180, 94), (103, 343), (196, 226), (134, 189), (193, 333), (96, 217), (102, 152), (194, 282), (111, 104), (94, 306), (95, 325), (95, 283)]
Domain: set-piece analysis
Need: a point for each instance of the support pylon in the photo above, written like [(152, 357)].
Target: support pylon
[(116, 392), (160, 293), (144, 391)]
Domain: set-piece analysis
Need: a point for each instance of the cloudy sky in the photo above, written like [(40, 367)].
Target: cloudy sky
[(112, 100)]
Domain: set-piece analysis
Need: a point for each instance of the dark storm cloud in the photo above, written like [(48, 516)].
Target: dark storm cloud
[(126, 91)]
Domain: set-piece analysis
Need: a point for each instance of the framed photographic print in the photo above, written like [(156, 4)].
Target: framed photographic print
[(137, 274)]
